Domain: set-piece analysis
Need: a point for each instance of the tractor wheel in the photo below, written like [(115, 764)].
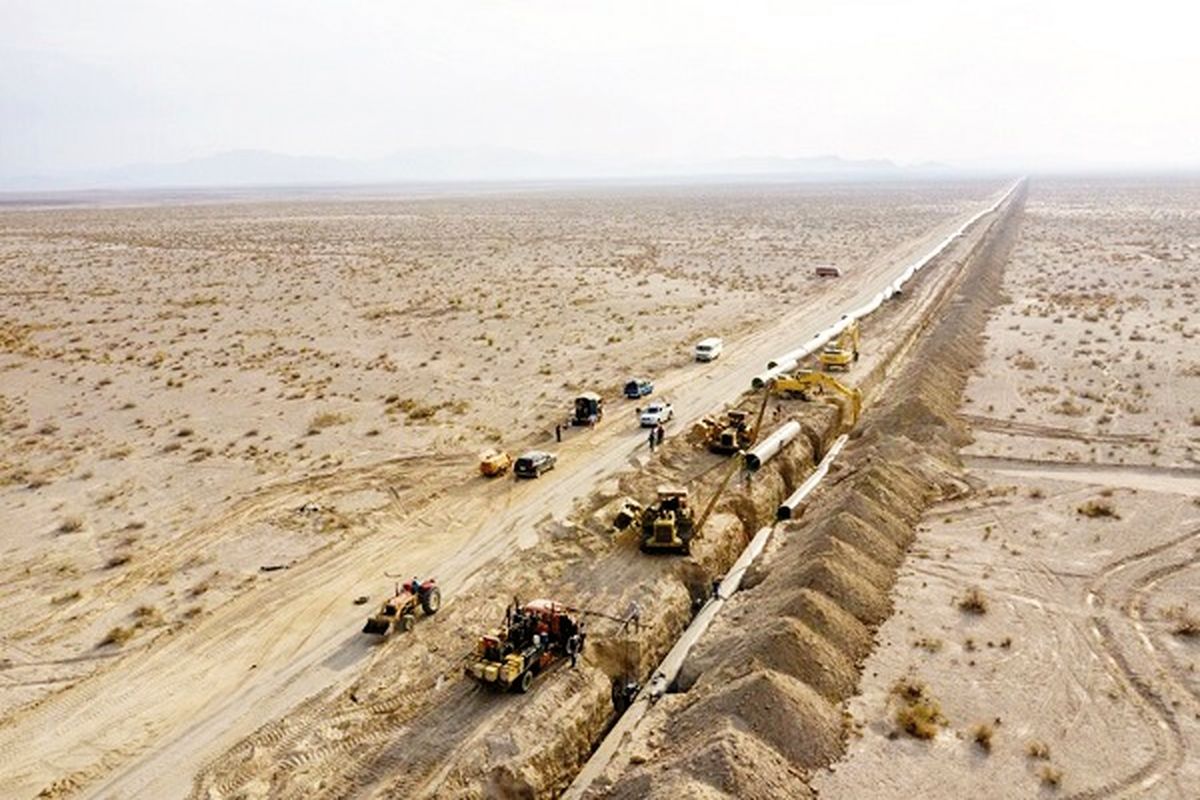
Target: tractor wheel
[(432, 600), (406, 622), (525, 681)]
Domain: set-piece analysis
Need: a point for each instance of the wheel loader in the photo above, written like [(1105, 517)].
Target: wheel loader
[(841, 353), (399, 612), (534, 637)]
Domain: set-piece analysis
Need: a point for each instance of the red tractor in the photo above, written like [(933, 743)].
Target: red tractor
[(400, 610)]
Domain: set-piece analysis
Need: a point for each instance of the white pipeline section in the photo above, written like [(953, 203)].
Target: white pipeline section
[(668, 669), (765, 450), (787, 508), (789, 361)]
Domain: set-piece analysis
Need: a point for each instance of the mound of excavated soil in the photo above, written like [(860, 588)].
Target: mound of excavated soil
[(782, 644), (733, 763), (776, 667), (781, 711)]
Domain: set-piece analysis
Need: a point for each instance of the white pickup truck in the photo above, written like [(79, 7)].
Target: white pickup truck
[(656, 413)]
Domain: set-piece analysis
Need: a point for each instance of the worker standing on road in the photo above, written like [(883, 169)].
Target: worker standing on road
[(659, 433), (652, 439), (558, 433)]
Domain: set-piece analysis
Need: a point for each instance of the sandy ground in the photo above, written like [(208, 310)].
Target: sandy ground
[(192, 393), (1047, 620)]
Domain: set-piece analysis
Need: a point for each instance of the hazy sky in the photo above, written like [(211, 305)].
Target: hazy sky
[(97, 83)]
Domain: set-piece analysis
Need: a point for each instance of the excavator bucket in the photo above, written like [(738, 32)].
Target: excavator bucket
[(377, 626)]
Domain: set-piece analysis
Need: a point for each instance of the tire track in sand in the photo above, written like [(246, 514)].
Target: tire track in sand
[(1169, 743)]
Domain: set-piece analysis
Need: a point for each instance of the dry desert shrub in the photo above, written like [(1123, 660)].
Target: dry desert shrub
[(982, 734), (1025, 362), (1050, 776), (70, 525), (118, 635), (973, 602), (326, 419), (1038, 750), (1183, 621), (919, 715), (1098, 509)]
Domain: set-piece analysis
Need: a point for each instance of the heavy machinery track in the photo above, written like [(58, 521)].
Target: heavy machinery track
[(1160, 714)]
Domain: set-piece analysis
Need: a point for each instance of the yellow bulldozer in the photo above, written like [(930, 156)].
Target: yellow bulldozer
[(668, 524), (730, 433), (841, 352)]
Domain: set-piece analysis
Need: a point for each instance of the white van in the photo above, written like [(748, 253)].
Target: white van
[(709, 349)]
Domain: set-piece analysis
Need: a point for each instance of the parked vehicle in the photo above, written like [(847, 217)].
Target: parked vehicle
[(589, 409), (657, 413), (827, 271), (534, 463), (709, 349), (494, 462), (638, 388)]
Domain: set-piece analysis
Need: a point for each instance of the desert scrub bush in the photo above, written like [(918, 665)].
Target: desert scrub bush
[(326, 419), (929, 644), (1025, 362), (117, 635), (918, 715), (1183, 621), (973, 602), (1038, 750), (70, 525), (1050, 776), (119, 560), (982, 735), (1098, 509)]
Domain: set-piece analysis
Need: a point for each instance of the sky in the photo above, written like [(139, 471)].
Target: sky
[(93, 84)]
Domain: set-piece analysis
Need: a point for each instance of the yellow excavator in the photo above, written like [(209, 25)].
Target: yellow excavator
[(842, 352), (806, 384)]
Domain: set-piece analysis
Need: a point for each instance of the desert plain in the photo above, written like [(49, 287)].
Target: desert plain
[(226, 420)]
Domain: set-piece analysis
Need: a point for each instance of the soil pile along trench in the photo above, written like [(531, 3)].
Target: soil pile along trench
[(759, 700), (399, 731)]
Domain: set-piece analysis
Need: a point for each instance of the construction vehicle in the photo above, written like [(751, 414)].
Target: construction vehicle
[(533, 638), (805, 384), (589, 408), (494, 462), (667, 525), (731, 433), (843, 351), (399, 612)]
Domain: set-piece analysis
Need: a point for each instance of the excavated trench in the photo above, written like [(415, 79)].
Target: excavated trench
[(765, 686), (760, 697), (758, 702)]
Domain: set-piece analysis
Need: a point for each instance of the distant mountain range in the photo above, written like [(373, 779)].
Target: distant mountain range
[(247, 168)]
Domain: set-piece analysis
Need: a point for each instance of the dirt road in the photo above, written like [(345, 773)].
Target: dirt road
[(144, 725)]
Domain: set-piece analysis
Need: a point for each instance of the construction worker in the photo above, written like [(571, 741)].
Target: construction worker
[(659, 433), (558, 433), (652, 439), (573, 649), (416, 585)]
